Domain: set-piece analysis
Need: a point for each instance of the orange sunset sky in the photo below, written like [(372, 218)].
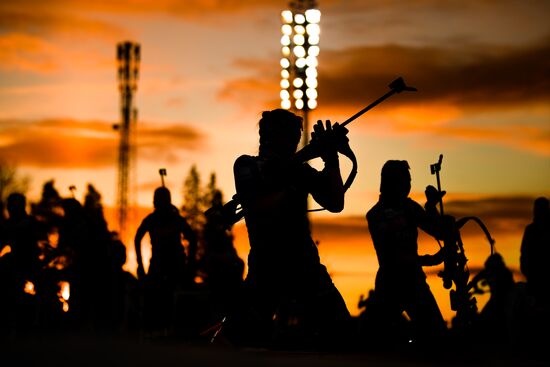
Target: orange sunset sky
[(208, 69)]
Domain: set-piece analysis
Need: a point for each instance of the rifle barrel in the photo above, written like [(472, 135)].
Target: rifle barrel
[(373, 104)]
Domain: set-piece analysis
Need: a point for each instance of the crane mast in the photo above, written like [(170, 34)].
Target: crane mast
[(128, 58)]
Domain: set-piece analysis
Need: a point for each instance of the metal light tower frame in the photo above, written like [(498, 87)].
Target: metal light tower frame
[(300, 49), (128, 58)]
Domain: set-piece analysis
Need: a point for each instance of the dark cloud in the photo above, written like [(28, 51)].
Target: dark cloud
[(500, 214), (187, 8), (77, 144), (37, 23), (468, 78), (463, 77), (461, 81)]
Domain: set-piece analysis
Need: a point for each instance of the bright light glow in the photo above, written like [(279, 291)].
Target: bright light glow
[(299, 104), (284, 94), (311, 104), (313, 51), (285, 74), (311, 72), (285, 40), (311, 61), (286, 29), (313, 30), (300, 62), (313, 15), (285, 63), (285, 84), (286, 15), (313, 40), (299, 51), (298, 82), (300, 29), (311, 93), (65, 290), (299, 39), (299, 18), (286, 51), (311, 82), (29, 288), (64, 294), (5, 250), (285, 103), (298, 94)]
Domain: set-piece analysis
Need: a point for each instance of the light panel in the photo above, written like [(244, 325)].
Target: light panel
[(300, 33)]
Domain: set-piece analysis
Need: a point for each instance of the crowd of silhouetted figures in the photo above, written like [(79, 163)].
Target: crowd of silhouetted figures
[(61, 270)]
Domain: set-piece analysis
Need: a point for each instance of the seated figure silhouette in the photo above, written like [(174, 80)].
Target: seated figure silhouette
[(400, 284), (170, 267), (289, 298), (535, 253)]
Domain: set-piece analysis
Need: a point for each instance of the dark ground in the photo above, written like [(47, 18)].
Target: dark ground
[(77, 350)]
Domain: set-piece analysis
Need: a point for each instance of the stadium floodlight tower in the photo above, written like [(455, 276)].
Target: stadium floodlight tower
[(300, 49), (128, 58)]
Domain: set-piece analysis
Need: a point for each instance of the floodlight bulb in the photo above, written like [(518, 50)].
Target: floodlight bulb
[(285, 103), (285, 74), (300, 62), (313, 40), (298, 82), (312, 61), (311, 82), (285, 63), (286, 50), (286, 15), (285, 84), (311, 93), (299, 39), (286, 29), (311, 72), (312, 104), (299, 104), (313, 50), (299, 51), (298, 94), (299, 18), (284, 95), (313, 15), (300, 29), (285, 40), (313, 29)]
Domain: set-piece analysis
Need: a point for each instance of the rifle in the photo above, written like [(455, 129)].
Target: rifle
[(455, 270), (162, 173), (232, 211)]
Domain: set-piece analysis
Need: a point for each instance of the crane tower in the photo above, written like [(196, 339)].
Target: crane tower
[(128, 57)]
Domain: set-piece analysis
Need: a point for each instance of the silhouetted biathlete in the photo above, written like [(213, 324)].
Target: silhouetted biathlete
[(290, 298), (535, 253), (167, 229), (170, 267), (393, 222)]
